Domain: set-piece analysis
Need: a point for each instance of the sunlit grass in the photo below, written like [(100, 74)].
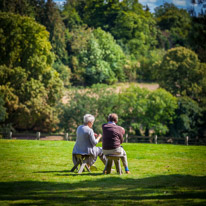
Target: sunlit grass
[(38, 173)]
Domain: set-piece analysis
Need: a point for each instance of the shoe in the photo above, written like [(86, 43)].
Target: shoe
[(105, 172), (128, 172)]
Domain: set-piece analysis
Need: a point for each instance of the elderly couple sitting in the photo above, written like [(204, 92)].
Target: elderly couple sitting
[(112, 139)]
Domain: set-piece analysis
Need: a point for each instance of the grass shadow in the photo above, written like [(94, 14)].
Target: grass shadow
[(108, 190), (69, 173)]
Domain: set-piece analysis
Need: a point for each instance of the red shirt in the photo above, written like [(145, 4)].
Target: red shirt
[(112, 136)]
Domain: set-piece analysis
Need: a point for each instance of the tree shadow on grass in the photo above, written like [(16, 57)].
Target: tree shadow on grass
[(108, 190), (69, 173)]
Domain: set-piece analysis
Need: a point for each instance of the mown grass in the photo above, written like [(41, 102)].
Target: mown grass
[(38, 173)]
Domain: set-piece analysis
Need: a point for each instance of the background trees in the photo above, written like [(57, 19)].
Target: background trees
[(95, 41), (95, 57), (197, 37), (187, 120), (143, 110), (135, 31), (29, 84), (2, 109), (138, 109), (181, 73), (174, 23)]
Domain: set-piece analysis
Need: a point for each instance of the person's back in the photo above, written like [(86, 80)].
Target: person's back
[(85, 140), (112, 136)]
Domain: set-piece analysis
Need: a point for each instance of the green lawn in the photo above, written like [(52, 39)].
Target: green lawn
[(38, 173)]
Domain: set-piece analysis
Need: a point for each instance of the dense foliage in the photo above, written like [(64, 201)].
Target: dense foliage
[(30, 86), (181, 73), (45, 49), (138, 109)]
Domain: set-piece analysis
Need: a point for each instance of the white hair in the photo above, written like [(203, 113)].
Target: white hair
[(88, 118)]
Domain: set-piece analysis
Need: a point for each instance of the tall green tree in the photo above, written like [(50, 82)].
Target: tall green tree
[(188, 119), (96, 57), (174, 23), (141, 109), (181, 73), (2, 109), (133, 27), (197, 37), (54, 24), (30, 86), (70, 14), (22, 7), (135, 31)]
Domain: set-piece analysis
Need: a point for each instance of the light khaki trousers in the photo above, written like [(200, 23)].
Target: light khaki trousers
[(118, 151)]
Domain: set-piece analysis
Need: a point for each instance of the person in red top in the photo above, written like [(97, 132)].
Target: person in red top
[(113, 138)]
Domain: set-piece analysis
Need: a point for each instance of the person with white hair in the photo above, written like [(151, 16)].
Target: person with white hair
[(86, 141)]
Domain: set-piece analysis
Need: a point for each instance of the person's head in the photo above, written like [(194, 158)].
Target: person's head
[(89, 120), (113, 118)]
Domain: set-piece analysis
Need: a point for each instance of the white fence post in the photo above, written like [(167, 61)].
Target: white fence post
[(38, 134), (66, 137), (186, 140), (155, 139), (126, 137), (10, 135)]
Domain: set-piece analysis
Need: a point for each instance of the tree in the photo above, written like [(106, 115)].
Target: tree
[(31, 88), (2, 109), (135, 31), (188, 119), (176, 22), (64, 72), (181, 73), (160, 110), (23, 7), (70, 15), (141, 109), (148, 64), (197, 37), (96, 58), (52, 20)]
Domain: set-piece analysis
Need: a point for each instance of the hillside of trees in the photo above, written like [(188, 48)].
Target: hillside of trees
[(84, 49)]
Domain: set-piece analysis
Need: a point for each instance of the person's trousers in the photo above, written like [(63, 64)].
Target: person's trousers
[(118, 151)]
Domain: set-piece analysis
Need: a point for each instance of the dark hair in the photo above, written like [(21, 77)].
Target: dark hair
[(113, 117)]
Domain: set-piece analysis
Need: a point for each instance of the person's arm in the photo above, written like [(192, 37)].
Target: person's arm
[(92, 138), (99, 137), (122, 132)]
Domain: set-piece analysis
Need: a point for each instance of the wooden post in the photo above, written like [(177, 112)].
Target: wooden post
[(66, 137), (10, 135), (186, 140), (155, 139), (38, 134), (126, 137)]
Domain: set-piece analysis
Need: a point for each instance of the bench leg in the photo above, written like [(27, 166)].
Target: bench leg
[(81, 168), (118, 166), (83, 164), (75, 166), (108, 166)]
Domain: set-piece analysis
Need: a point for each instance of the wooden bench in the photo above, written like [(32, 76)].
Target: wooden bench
[(82, 161), (109, 163)]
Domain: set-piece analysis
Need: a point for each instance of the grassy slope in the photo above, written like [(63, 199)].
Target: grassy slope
[(37, 173)]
